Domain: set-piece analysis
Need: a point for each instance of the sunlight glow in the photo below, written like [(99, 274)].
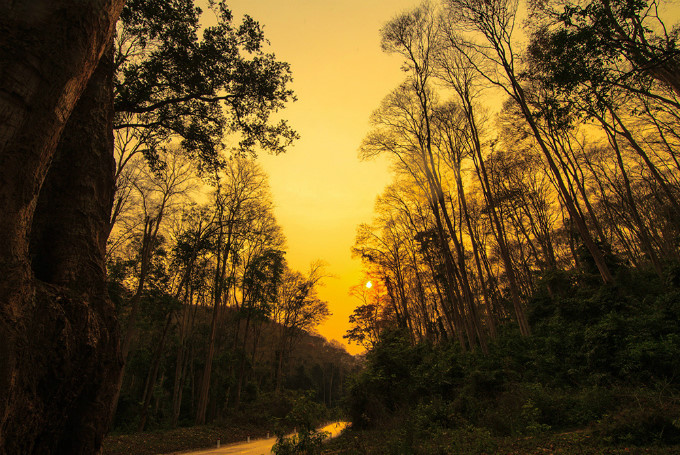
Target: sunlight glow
[(369, 285)]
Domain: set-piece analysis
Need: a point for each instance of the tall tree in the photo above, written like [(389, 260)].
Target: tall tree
[(241, 194), (59, 356), (495, 58), (156, 194)]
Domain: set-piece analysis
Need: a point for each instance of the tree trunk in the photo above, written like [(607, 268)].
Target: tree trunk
[(487, 301), (650, 165), (151, 226), (153, 374), (220, 268), (596, 253), (242, 364), (182, 358), (643, 235), (59, 353), (496, 223)]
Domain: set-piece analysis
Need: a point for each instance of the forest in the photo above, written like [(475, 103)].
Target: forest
[(215, 324), (524, 261), (523, 266)]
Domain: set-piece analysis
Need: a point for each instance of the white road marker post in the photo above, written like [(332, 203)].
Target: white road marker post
[(248, 440), (218, 443)]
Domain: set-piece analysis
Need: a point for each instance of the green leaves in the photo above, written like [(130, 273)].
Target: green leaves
[(176, 80), (588, 50)]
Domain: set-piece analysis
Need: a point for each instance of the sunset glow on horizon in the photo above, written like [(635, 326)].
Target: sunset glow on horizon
[(321, 190)]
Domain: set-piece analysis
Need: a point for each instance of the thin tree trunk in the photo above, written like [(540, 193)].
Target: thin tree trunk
[(220, 266), (642, 229), (242, 365), (153, 374), (581, 226), (652, 168)]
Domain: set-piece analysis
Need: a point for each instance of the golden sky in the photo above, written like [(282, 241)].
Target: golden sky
[(321, 190)]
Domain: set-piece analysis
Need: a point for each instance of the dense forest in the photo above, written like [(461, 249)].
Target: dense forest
[(524, 261), (523, 266)]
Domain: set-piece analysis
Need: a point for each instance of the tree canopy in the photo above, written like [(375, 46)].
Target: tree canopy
[(176, 79)]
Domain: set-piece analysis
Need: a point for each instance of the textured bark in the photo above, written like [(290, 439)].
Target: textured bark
[(59, 346)]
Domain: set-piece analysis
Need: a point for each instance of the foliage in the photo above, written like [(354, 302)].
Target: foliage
[(652, 423), (588, 42), (304, 417), (177, 79), (472, 440), (592, 348)]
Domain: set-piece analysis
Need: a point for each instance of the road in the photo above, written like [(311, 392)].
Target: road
[(260, 446)]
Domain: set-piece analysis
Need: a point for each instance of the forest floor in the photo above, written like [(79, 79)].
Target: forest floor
[(468, 443)]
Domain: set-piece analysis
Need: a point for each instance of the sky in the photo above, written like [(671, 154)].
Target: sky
[(321, 190)]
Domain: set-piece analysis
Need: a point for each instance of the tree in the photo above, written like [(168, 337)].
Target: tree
[(214, 91), (454, 70), (262, 277), (495, 22), (367, 321), (176, 81), (60, 359), (625, 79), (156, 194), (590, 41), (59, 355), (296, 309)]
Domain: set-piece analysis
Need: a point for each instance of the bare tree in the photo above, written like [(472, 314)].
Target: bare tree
[(494, 57)]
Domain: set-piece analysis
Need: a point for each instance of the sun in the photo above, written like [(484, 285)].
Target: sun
[(369, 285)]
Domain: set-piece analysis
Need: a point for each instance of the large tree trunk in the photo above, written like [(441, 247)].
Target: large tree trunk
[(59, 351)]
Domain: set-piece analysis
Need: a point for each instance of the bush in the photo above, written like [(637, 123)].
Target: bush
[(304, 442), (471, 440), (305, 415), (641, 426)]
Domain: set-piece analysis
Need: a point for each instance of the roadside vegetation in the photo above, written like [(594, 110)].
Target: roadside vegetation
[(600, 370)]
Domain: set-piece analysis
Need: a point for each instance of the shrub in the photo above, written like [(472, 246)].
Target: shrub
[(304, 416), (641, 426)]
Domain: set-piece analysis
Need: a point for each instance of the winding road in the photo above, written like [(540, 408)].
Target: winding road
[(261, 446)]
